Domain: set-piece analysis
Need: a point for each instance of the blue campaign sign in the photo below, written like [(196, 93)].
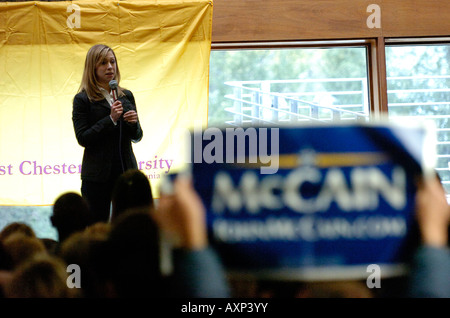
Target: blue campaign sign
[(310, 202)]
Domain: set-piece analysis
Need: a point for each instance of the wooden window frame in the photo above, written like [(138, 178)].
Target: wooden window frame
[(241, 24)]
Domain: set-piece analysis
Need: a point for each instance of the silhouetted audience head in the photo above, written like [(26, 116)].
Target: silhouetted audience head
[(21, 247), (130, 259), (15, 227), (42, 276), (132, 190), (70, 214), (98, 230), (79, 248)]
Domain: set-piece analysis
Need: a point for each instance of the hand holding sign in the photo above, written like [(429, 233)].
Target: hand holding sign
[(182, 214), (433, 212)]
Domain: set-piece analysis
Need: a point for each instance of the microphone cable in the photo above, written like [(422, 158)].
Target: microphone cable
[(114, 85), (120, 144)]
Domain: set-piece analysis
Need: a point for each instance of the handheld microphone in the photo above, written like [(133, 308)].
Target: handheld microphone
[(113, 85)]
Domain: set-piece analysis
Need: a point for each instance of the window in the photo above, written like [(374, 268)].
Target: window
[(418, 82), (38, 217), (275, 86)]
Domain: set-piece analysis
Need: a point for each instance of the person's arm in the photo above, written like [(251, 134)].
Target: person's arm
[(131, 118), (199, 274), (197, 270), (430, 273), (87, 134)]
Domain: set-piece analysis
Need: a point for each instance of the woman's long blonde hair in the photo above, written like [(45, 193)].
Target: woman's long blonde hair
[(89, 82)]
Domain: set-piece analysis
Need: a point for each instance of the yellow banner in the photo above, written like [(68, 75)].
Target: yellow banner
[(162, 48)]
